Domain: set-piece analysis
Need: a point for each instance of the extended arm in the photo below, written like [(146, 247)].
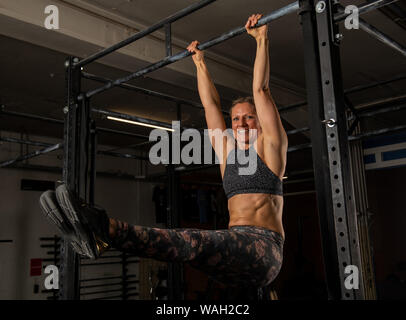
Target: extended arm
[(207, 91), (211, 103), (268, 114)]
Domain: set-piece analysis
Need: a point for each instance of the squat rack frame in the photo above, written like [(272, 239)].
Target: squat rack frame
[(328, 127)]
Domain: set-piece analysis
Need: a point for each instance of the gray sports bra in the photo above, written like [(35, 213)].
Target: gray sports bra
[(262, 180)]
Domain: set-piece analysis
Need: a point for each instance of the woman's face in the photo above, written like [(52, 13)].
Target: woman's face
[(244, 118)]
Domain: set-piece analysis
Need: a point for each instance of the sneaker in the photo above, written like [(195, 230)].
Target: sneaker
[(54, 213), (90, 224)]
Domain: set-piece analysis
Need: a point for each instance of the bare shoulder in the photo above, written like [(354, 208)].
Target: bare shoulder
[(273, 155)]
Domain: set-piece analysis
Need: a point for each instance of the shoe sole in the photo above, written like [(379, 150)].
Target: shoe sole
[(53, 213), (83, 233)]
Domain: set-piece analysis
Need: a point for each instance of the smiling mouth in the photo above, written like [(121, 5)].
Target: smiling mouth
[(242, 131)]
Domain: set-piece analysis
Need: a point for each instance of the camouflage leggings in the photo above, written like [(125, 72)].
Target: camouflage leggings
[(239, 256)]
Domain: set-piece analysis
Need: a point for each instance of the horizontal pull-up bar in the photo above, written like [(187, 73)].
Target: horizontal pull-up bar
[(143, 33), (169, 60), (228, 35)]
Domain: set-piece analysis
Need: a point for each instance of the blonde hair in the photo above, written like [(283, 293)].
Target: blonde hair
[(249, 99)]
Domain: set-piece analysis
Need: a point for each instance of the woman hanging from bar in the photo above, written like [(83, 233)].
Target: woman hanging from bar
[(249, 253)]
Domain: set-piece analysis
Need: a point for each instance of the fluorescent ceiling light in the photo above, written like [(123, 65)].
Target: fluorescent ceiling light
[(140, 123)]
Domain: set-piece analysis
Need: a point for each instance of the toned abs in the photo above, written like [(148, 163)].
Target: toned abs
[(261, 210)]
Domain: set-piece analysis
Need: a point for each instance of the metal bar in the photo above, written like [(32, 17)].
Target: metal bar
[(353, 125), (28, 142), (108, 278), (131, 118), (298, 180), (108, 284), (381, 36), (122, 155), (283, 109), (374, 84), (350, 106), (294, 106), (69, 262), (117, 175), (300, 147), (295, 131), (376, 133), (369, 6), (32, 155), (110, 257), (299, 193), (366, 114), (119, 296), (180, 14), (168, 39), (182, 169), (105, 263), (315, 114), (360, 190), (194, 168), (340, 209), (135, 135), (378, 34), (30, 116), (93, 151), (105, 291), (322, 82), (169, 60), (57, 121), (400, 99), (145, 91)]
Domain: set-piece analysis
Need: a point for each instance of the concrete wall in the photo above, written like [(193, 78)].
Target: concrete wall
[(22, 221)]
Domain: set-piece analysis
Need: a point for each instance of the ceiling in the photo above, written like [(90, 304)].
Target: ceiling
[(32, 76)]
